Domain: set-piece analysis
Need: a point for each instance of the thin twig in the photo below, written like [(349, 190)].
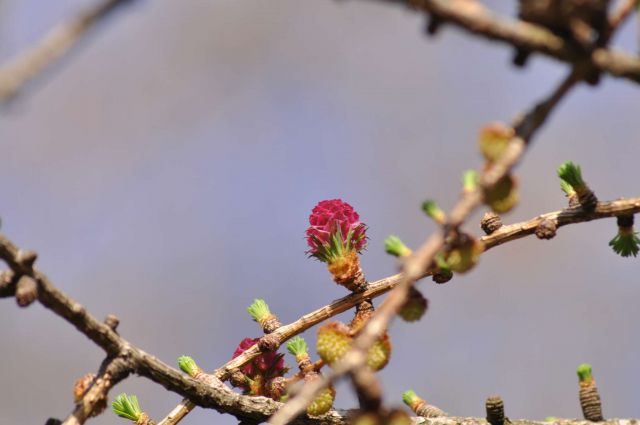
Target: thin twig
[(18, 73), (564, 217)]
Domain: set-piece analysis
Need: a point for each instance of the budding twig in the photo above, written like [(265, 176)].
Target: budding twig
[(495, 410), (420, 407), (589, 397)]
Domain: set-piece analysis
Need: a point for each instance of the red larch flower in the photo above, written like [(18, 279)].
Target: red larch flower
[(335, 230), (266, 366)]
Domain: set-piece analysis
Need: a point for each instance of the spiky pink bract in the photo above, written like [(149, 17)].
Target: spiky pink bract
[(334, 230), (267, 365)]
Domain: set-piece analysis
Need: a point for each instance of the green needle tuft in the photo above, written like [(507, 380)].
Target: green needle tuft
[(394, 246), (626, 243), (259, 310), (126, 407), (409, 397), (188, 365), (571, 174), (470, 180), (584, 372), (567, 188), (297, 346), (434, 212)]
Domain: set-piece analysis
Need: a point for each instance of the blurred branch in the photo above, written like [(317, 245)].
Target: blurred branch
[(622, 13), (472, 16), (449, 420), (19, 72)]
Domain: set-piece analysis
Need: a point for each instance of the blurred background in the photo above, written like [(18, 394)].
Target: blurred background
[(165, 173)]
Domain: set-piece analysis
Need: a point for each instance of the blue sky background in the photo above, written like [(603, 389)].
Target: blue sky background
[(166, 172)]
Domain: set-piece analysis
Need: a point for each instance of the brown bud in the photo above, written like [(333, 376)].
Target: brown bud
[(112, 321), (270, 324), (268, 342), (26, 291), (490, 222), (277, 387), (546, 229), (495, 410), (237, 378), (81, 386), (27, 258), (590, 401), (441, 277)]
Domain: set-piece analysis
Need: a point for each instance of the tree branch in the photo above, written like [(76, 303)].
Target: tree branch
[(17, 74), (416, 264), (131, 359), (479, 20), (124, 358), (61, 304), (561, 218)]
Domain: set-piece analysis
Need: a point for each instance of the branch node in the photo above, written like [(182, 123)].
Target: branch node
[(112, 321), (26, 259), (490, 222), (546, 229), (269, 342), (26, 291)]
